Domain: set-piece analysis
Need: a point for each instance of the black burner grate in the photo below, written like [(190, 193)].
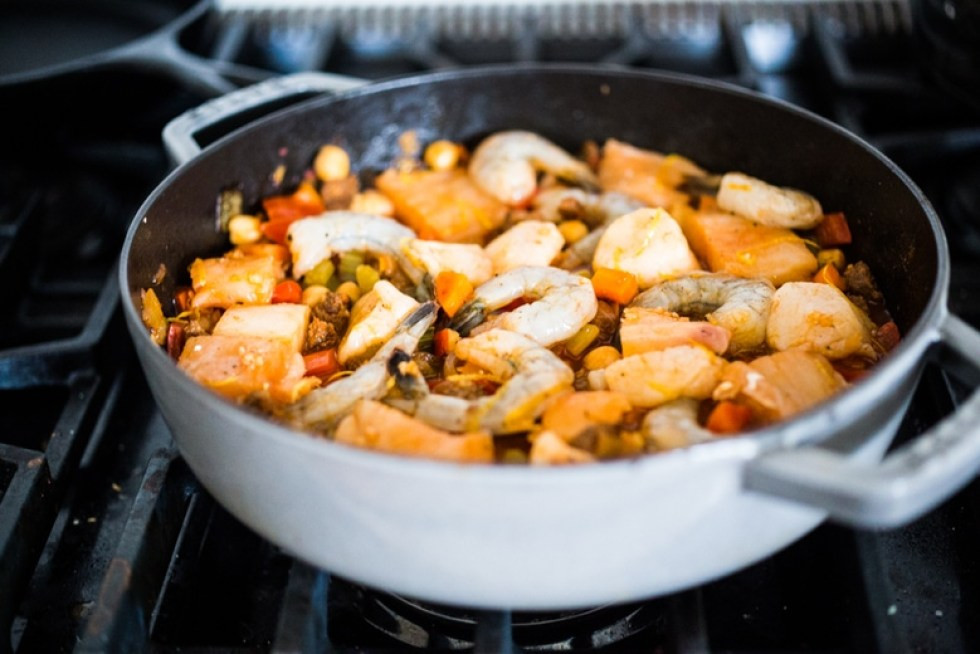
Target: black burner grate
[(108, 542)]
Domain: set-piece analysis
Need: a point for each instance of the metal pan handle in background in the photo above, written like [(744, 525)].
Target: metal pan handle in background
[(909, 482), (179, 135), (161, 51)]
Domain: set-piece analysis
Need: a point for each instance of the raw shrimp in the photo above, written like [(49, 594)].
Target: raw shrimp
[(739, 305), (595, 209), (675, 424), (548, 448), (320, 409), (506, 164), (311, 240), (642, 330), (562, 303), (528, 243), (818, 317), (767, 204), (531, 373), (592, 208), (654, 378), (374, 319), (647, 243), (373, 425)]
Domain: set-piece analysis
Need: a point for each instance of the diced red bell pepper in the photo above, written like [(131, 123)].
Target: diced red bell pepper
[(833, 230), (287, 291), (283, 210), (322, 363)]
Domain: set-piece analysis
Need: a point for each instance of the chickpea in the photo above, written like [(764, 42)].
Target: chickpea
[(442, 155), (314, 295), (572, 230), (244, 229), (331, 164), (371, 201), (350, 290), (601, 357)]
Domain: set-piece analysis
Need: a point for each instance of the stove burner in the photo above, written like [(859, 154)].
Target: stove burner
[(960, 207), (425, 625)]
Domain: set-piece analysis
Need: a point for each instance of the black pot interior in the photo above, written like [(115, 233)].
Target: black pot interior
[(720, 129)]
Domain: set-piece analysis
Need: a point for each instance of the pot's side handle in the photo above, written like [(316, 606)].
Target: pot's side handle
[(909, 482), (179, 133)]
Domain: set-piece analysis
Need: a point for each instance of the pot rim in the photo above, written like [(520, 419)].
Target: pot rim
[(815, 425)]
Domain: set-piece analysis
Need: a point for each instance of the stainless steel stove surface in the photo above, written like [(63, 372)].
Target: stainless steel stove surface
[(108, 543)]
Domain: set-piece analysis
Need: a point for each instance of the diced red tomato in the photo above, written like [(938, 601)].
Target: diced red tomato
[(275, 230), (283, 210), (322, 364), (287, 291), (833, 230)]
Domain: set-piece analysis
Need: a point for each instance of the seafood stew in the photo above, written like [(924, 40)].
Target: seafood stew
[(518, 302)]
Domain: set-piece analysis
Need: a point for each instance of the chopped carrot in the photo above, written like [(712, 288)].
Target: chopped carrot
[(833, 230), (728, 418), (321, 364), (283, 210), (452, 291), (287, 291), (830, 275), (615, 285), (888, 335), (444, 341), (707, 203)]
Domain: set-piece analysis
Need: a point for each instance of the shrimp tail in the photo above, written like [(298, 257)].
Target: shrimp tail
[(408, 379), (473, 313), (421, 314), (700, 185)]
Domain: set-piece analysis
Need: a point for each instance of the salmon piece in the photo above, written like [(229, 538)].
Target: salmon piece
[(737, 246), (285, 322), (241, 366), (780, 385), (227, 281), (442, 205), (571, 414), (645, 175), (376, 426), (644, 330)]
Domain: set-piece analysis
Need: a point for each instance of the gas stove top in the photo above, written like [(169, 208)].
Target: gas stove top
[(109, 543)]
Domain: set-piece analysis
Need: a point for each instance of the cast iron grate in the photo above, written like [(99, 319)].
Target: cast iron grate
[(108, 543)]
